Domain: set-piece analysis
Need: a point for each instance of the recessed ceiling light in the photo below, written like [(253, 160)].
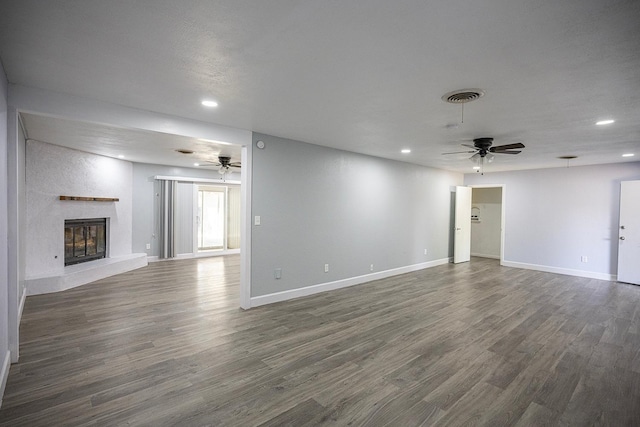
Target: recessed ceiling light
[(605, 122), (209, 103), (628, 155), (196, 164), (405, 151), (476, 168), (121, 156)]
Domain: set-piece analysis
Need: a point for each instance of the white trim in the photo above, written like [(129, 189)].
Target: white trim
[(485, 255), (559, 270), (23, 299), (338, 284), (206, 254), (245, 224), (4, 374), (218, 181)]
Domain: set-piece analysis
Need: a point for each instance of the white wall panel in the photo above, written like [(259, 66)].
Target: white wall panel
[(53, 171)]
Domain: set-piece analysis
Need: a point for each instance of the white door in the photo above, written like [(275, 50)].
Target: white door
[(629, 233), (462, 235)]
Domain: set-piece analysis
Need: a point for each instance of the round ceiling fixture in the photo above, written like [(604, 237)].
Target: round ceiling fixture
[(462, 96), (184, 151)]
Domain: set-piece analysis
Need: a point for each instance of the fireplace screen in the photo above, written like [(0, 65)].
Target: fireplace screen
[(84, 240)]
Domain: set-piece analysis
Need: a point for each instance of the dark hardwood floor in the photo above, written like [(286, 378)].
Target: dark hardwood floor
[(467, 344)]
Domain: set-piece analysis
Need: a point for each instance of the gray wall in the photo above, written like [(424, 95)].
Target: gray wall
[(325, 206), (4, 214), (145, 203), (555, 216)]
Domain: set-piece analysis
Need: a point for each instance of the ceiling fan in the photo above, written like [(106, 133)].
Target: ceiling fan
[(482, 149), (225, 164)]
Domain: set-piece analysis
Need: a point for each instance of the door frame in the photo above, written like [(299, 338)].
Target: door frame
[(503, 213)]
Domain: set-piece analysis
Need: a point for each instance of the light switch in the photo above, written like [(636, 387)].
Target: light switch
[(257, 220)]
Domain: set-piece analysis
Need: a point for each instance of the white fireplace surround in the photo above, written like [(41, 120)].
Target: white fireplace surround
[(52, 171)]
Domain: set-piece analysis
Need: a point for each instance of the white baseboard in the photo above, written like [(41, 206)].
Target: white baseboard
[(485, 255), (203, 254), (21, 306), (343, 283), (558, 270), (4, 374)]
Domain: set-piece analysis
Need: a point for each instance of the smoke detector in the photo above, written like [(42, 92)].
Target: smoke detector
[(462, 96)]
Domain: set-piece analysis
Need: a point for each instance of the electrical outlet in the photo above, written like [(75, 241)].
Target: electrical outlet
[(326, 268), (425, 251), (148, 245), (278, 273), (584, 258), (256, 220), (371, 267)]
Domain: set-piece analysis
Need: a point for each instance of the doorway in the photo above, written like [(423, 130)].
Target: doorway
[(217, 218), (487, 222)]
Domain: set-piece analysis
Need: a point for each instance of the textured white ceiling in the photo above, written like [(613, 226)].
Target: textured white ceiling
[(135, 145), (363, 76)]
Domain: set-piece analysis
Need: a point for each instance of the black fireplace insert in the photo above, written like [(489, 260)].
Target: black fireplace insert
[(84, 240)]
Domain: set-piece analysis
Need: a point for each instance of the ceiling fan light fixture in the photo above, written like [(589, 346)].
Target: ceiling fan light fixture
[(489, 157)]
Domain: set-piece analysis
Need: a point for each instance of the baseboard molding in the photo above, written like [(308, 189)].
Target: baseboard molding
[(205, 254), (558, 270), (81, 274), (21, 306), (4, 374), (343, 283), (485, 255)]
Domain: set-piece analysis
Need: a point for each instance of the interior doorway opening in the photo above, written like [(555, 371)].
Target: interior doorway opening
[(487, 222)]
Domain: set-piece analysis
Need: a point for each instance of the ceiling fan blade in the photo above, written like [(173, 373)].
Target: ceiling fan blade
[(468, 145), (235, 165), (508, 152), (461, 152), (506, 147)]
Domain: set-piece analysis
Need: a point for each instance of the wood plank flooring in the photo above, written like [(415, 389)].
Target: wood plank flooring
[(466, 344)]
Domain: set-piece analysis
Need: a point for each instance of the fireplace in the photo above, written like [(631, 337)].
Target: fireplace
[(84, 240)]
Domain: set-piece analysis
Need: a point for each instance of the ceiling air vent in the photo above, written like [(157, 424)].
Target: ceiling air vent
[(462, 96), (184, 151)]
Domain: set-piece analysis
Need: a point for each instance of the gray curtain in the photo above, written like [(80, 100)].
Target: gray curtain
[(167, 218)]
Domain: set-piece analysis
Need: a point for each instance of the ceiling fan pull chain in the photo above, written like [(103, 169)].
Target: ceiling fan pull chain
[(462, 113)]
